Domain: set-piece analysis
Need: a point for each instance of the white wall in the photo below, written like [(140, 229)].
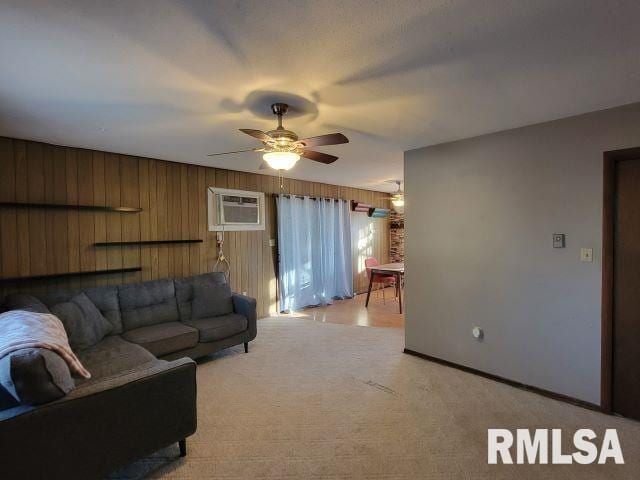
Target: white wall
[(480, 214)]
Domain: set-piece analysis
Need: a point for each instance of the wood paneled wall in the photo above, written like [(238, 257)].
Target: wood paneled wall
[(173, 201)]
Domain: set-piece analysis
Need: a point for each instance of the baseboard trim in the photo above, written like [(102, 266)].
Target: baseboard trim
[(522, 386)]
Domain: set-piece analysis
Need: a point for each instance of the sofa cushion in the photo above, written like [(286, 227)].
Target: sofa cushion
[(163, 338), (83, 322), (217, 328), (105, 298), (216, 301), (33, 376), (21, 301), (113, 355), (211, 300), (148, 303)]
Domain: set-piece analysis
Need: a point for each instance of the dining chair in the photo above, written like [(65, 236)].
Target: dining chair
[(383, 281)]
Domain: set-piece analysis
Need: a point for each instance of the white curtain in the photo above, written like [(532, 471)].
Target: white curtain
[(314, 246)]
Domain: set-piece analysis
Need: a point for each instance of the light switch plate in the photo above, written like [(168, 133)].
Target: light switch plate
[(558, 240), (586, 255)]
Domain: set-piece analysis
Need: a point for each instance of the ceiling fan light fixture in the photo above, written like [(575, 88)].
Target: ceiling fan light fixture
[(398, 201), (281, 160)]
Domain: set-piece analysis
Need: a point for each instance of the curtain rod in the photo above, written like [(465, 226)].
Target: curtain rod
[(302, 196)]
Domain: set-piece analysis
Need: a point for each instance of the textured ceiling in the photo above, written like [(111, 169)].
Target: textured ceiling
[(176, 79)]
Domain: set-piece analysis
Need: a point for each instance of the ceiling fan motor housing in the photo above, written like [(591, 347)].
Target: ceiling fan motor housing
[(282, 135)]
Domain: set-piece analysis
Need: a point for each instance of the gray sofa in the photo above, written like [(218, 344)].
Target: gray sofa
[(142, 394)]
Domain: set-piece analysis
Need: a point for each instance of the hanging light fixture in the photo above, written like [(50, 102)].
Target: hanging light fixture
[(397, 199), (281, 160)]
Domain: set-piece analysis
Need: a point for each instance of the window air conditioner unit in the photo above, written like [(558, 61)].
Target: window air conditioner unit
[(231, 210)]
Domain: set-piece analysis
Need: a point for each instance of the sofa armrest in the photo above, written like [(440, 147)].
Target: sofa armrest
[(103, 426), (247, 306)]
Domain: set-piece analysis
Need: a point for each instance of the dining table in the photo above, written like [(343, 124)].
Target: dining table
[(395, 269)]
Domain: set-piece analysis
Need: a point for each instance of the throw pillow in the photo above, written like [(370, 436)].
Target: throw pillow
[(83, 322), (33, 376), (211, 300)]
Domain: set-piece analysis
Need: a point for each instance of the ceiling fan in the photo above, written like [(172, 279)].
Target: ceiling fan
[(282, 148), (397, 198)]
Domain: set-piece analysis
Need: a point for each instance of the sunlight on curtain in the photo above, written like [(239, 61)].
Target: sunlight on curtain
[(365, 245), (314, 246)]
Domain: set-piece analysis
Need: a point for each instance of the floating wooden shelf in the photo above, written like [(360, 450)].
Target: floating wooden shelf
[(145, 242), (61, 206), (57, 276)]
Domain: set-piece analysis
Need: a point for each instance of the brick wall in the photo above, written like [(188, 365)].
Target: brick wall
[(396, 230)]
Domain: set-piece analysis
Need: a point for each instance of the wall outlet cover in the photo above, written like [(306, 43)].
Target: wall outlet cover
[(586, 255)]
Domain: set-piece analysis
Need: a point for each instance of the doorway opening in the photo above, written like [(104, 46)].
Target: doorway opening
[(620, 363)]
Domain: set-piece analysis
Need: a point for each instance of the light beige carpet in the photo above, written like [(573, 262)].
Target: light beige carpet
[(316, 400)]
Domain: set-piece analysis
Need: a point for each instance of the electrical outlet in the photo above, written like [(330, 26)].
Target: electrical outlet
[(272, 242), (586, 255)]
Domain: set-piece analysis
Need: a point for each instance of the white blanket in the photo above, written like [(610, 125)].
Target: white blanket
[(22, 329)]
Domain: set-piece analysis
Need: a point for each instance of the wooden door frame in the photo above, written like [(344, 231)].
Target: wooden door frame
[(610, 167)]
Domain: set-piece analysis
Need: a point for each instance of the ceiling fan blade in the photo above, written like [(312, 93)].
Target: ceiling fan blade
[(236, 151), (329, 139), (260, 135), (318, 156)]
